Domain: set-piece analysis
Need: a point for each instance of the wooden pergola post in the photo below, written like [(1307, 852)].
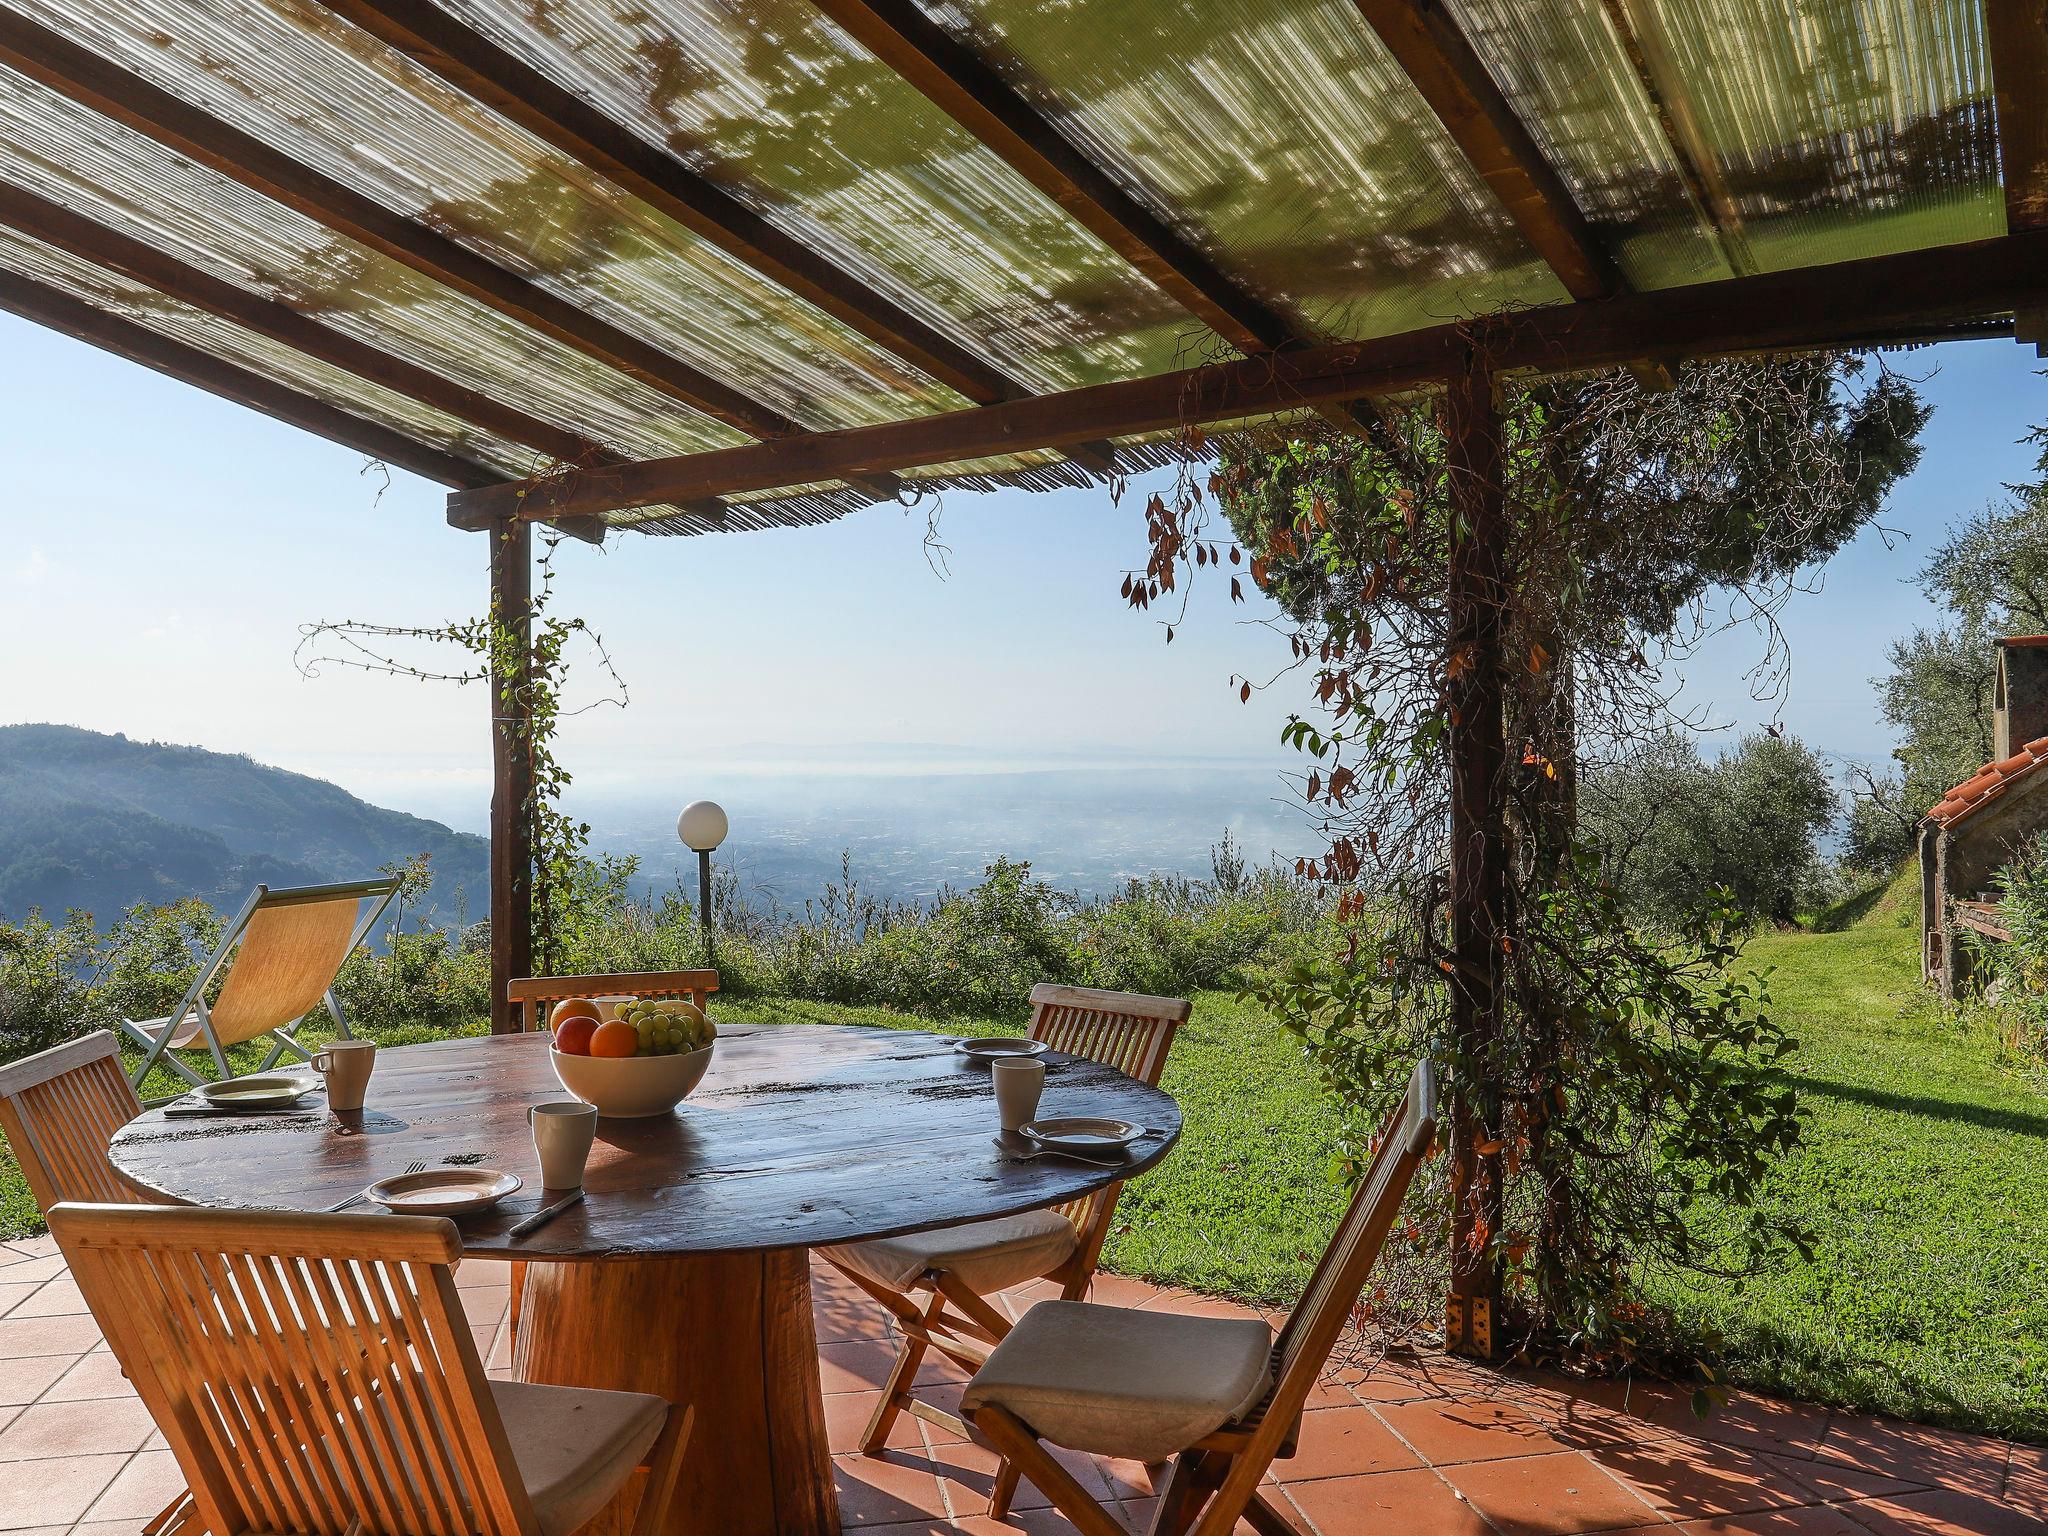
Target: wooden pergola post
[(511, 767), (1479, 851)]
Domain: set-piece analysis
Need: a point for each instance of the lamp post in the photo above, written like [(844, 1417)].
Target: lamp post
[(702, 827)]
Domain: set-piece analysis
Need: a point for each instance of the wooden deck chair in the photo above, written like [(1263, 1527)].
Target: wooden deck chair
[(315, 1375), (59, 1109), (1220, 1396), (937, 1283), (282, 952), (532, 994)]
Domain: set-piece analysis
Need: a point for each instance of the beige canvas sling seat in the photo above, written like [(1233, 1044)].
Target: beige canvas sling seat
[(937, 1284), (1220, 1397), (282, 952), (315, 1375)]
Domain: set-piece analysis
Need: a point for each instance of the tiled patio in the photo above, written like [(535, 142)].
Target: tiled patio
[(1422, 1444)]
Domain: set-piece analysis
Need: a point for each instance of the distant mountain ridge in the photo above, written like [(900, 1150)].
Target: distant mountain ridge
[(101, 822)]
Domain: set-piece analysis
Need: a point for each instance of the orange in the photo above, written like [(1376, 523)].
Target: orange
[(575, 1008), (572, 1035), (618, 1038)]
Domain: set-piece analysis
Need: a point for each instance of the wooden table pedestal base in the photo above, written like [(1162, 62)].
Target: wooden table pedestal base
[(729, 1333)]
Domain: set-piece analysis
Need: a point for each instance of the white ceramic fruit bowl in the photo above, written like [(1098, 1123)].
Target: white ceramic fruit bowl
[(633, 1087)]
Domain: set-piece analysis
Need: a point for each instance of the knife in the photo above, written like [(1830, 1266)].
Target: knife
[(544, 1215)]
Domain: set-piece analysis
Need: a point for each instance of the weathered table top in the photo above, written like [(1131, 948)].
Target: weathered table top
[(801, 1135)]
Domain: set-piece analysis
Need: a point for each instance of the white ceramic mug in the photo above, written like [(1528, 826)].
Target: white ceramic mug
[(346, 1065), (562, 1134), (1019, 1082)]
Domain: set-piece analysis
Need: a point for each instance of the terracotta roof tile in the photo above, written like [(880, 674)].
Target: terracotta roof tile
[(1990, 781)]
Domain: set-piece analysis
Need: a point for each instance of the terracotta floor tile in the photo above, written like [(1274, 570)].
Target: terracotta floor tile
[(23, 1381), (34, 1271), (479, 1274), (145, 1485), (21, 1338), (846, 1416), (75, 1429), (1914, 1452), (855, 1365), (1466, 1431), (1692, 1479), (53, 1298), (1385, 1504), (838, 1318), (1945, 1512), (2026, 1480), (55, 1492), (40, 1246), (969, 1471), (485, 1304), (886, 1490), (1120, 1291), (1338, 1442), (93, 1376), (1548, 1495), (1833, 1483), (1767, 1424), (13, 1295), (1804, 1520)]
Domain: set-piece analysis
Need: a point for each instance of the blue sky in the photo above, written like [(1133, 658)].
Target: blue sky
[(164, 547)]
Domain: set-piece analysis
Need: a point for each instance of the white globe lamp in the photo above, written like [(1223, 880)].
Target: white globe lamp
[(702, 827)]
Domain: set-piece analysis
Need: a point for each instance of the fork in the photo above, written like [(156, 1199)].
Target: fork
[(363, 1194)]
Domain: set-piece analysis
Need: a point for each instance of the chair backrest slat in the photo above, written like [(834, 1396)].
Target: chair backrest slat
[(1313, 1327), (308, 1371), (1125, 1030), (533, 993), (59, 1110)]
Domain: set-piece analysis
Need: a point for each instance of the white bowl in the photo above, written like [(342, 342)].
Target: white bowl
[(632, 1087)]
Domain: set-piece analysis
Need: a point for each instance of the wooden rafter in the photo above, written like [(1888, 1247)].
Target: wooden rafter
[(73, 71), (72, 317), (465, 59), (1433, 51), (1844, 304), (967, 90), (1642, 38), (54, 225), (2018, 35)]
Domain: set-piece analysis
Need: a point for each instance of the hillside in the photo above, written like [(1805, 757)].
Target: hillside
[(102, 822)]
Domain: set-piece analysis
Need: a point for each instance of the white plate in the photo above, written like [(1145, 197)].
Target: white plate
[(1082, 1133), (989, 1047), (444, 1191), (260, 1090)]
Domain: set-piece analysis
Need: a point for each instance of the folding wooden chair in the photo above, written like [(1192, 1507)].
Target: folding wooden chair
[(534, 993), (60, 1109), (1220, 1396), (315, 1375), (282, 952), (955, 1270)]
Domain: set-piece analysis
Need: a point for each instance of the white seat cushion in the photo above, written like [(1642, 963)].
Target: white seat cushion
[(985, 1256), (575, 1445), (1125, 1383)]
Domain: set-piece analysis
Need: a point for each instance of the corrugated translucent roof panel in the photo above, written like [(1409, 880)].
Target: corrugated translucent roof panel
[(337, 100), (116, 295), (1843, 128), (1283, 139), (791, 116)]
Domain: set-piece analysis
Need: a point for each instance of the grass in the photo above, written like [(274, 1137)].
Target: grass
[(1927, 1295)]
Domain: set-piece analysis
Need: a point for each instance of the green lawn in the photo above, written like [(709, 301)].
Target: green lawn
[(1925, 1181)]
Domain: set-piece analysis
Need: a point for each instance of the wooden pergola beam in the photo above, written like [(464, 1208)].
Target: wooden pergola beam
[(958, 83), (1433, 51), (55, 225), (2018, 34), (60, 312), (1846, 304), (65, 67), (470, 62)]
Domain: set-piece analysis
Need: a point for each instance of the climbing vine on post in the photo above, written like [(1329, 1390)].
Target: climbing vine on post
[(527, 666)]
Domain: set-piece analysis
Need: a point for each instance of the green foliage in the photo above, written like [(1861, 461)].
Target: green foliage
[(2015, 1003), (1674, 828)]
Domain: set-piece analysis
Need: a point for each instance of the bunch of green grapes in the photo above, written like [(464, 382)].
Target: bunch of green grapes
[(669, 1026)]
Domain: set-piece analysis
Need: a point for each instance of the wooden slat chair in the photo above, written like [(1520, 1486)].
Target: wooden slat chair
[(315, 1375), (532, 994), (282, 952), (59, 1109), (937, 1284), (1220, 1396)]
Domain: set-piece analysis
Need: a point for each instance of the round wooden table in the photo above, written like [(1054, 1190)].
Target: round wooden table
[(685, 1271)]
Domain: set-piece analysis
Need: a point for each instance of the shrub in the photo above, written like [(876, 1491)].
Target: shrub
[(2015, 1003)]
